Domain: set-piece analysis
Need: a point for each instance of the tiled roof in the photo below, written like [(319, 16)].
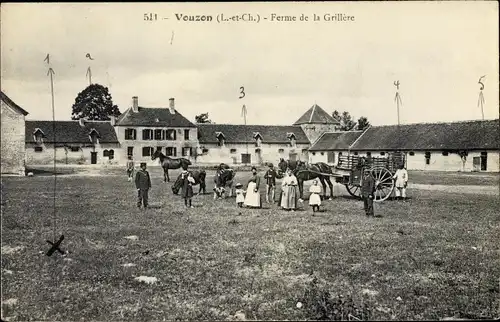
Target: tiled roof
[(316, 115), (71, 131), (11, 103), (149, 116), (245, 133), (336, 141), (470, 135)]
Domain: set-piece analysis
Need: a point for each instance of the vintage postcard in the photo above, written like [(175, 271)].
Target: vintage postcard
[(250, 161)]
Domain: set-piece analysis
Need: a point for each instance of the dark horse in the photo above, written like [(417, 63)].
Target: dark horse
[(170, 163), (199, 179), (306, 172), (224, 178)]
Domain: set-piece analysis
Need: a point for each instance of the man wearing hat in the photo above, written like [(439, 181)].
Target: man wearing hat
[(367, 192), (143, 184), (270, 182)]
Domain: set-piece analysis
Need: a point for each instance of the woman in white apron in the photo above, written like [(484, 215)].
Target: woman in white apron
[(289, 188), (252, 198)]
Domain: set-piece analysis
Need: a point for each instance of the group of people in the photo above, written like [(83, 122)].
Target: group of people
[(289, 196), (251, 197)]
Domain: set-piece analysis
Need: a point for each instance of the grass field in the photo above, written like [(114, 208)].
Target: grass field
[(435, 256)]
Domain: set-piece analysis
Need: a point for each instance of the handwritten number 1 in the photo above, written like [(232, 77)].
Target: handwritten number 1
[(242, 92)]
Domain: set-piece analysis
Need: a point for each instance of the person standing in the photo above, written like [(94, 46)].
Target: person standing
[(401, 177), (143, 184), (130, 168), (314, 198), (368, 192), (252, 198), (270, 183), (289, 188), (240, 195), (187, 189)]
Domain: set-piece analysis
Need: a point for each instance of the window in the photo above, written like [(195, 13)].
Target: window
[(105, 153), (130, 134), (382, 153), (38, 149), (170, 135), (232, 150), (186, 134), (159, 134), (130, 151), (368, 154), (171, 151), (147, 134), (427, 158), (38, 137), (331, 157), (322, 153), (281, 150), (412, 153), (340, 153), (314, 153), (204, 150), (74, 149), (186, 152), (257, 150), (355, 153), (445, 153), (147, 151), (111, 154), (221, 141)]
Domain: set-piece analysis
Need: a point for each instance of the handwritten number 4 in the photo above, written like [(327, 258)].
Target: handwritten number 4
[(242, 91)]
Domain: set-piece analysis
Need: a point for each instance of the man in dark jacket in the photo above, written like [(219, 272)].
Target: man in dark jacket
[(367, 192), (270, 183), (143, 184)]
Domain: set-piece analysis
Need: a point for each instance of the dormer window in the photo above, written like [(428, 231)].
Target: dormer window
[(292, 138), (38, 136), (94, 136), (258, 139), (220, 138)]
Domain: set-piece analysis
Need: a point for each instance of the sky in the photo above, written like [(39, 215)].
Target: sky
[(437, 51)]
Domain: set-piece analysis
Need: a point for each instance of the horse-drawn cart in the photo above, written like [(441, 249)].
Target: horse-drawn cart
[(349, 172)]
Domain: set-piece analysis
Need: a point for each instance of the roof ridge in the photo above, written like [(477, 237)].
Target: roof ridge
[(442, 122), (312, 112), (359, 137)]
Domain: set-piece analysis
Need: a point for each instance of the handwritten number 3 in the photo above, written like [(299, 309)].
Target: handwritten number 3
[(242, 89)]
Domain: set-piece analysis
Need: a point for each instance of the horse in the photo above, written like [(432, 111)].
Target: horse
[(199, 177), (305, 172), (223, 178), (170, 163)]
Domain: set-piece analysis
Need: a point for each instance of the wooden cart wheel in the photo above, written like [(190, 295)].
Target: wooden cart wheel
[(353, 190), (383, 182)]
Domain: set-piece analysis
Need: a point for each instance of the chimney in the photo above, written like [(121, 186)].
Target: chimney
[(171, 106), (113, 120), (135, 104), (81, 121)]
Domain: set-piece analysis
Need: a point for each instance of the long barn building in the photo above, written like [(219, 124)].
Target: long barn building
[(314, 137)]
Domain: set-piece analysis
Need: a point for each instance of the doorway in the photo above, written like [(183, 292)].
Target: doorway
[(93, 157)]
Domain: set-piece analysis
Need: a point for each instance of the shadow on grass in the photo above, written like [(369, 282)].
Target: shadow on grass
[(46, 172)]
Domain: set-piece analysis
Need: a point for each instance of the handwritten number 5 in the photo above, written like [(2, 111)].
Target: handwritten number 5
[(242, 91)]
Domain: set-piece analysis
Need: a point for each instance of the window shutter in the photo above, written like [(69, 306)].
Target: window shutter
[(174, 149)]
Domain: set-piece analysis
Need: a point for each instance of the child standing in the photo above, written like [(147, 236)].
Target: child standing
[(130, 168), (240, 194), (314, 198), (187, 189)]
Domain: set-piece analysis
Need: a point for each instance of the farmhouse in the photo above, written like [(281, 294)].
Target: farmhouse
[(257, 144), (75, 142), (455, 146), (12, 139), (141, 131)]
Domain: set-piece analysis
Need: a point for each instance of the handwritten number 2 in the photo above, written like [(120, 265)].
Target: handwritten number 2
[(242, 91)]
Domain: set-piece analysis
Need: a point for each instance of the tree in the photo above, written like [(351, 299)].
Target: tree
[(336, 115), (202, 118), (95, 104), (346, 122), (362, 123)]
